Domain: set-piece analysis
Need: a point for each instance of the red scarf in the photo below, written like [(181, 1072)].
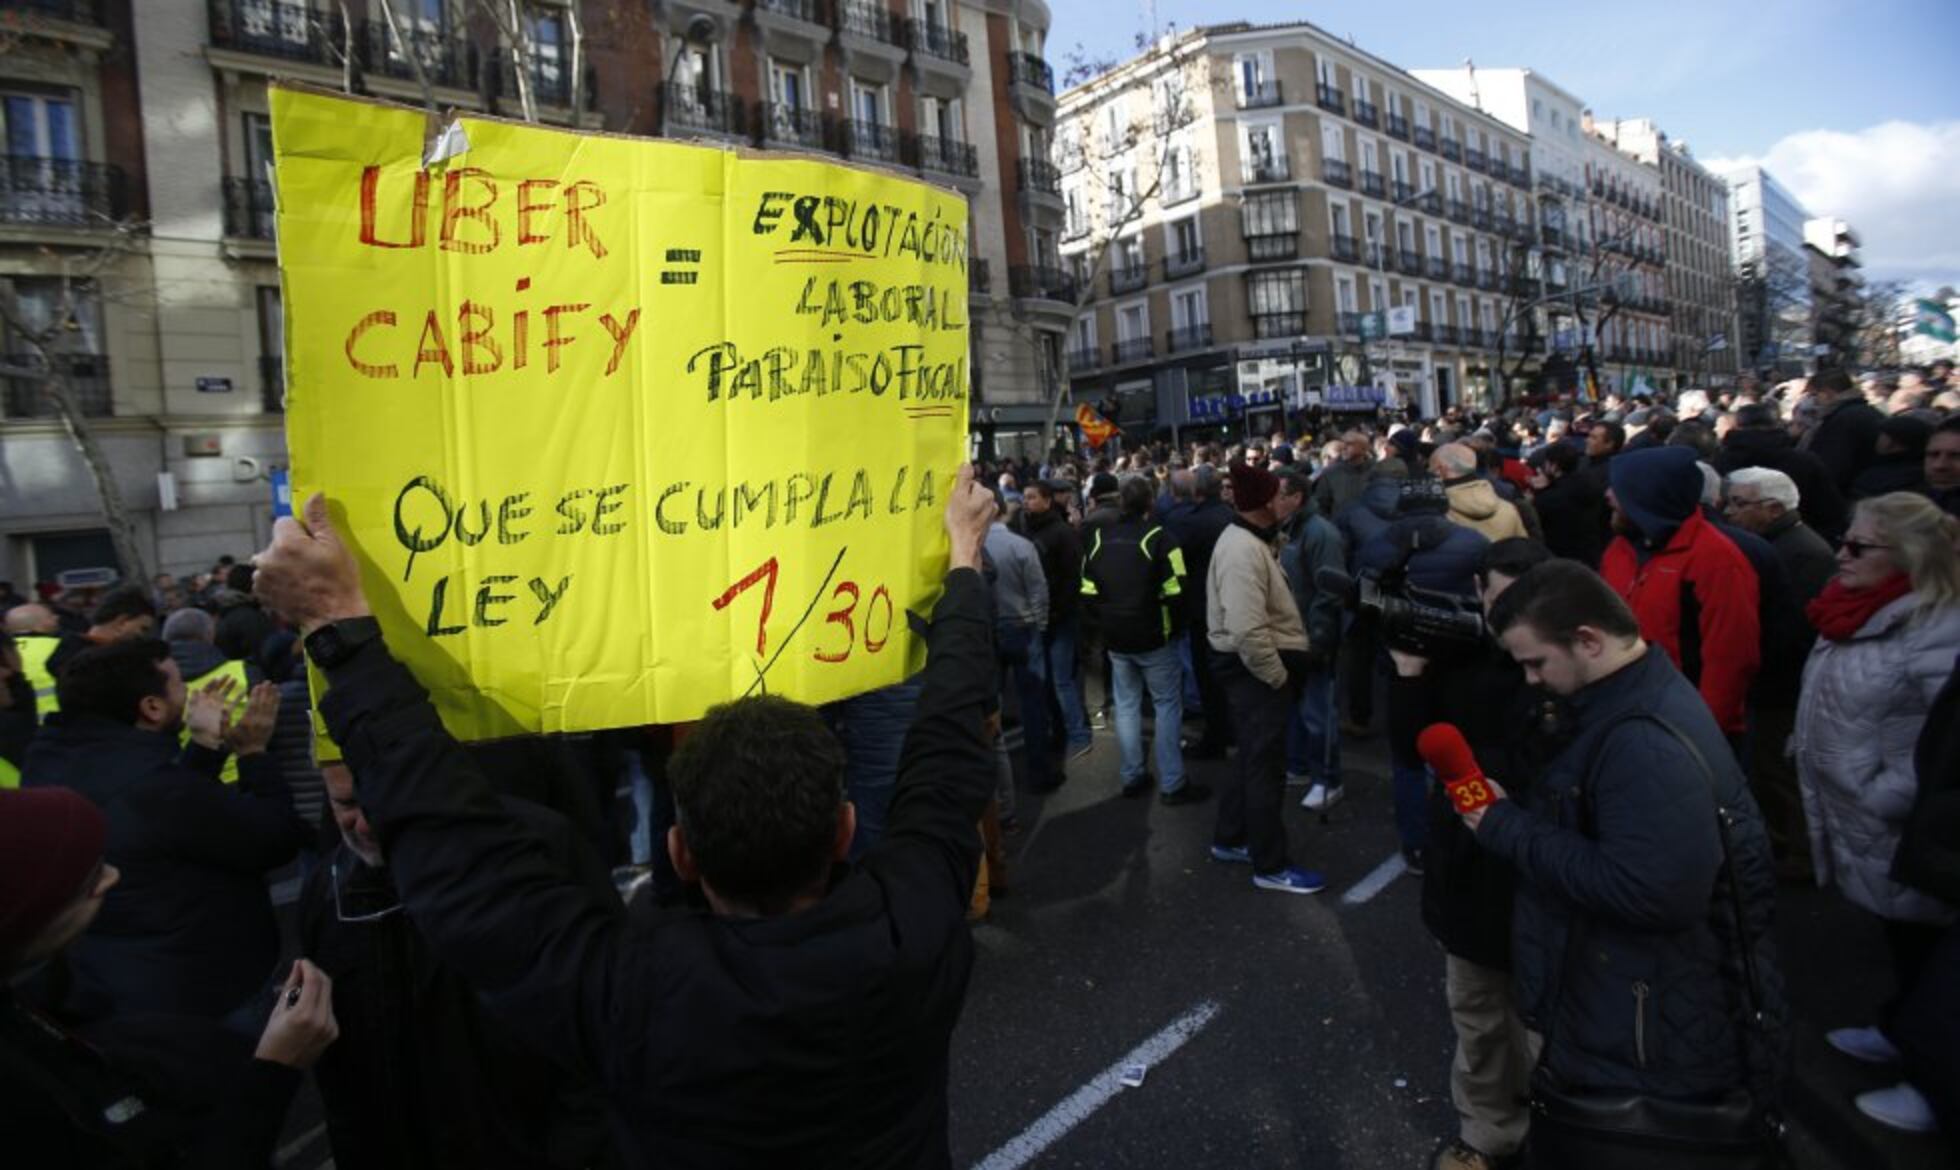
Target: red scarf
[(1839, 612)]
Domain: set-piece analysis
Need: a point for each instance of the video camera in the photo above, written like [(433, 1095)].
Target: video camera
[(1418, 621)]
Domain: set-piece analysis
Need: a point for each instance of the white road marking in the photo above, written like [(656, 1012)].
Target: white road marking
[(1377, 881), (1076, 1108), (299, 1143)]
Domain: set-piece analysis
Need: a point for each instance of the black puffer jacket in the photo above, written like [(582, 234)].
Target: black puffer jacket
[(1623, 937)]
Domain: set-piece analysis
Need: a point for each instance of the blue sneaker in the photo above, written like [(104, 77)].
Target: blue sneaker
[(1235, 854), (1291, 880)]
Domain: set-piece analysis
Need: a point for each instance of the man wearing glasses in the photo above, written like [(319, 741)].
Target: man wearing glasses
[(426, 1073)]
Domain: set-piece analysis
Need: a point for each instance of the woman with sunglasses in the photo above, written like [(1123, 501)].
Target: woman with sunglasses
[(1889, 630)]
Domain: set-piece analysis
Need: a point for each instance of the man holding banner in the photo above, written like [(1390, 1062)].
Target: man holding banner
[(806, 1020)]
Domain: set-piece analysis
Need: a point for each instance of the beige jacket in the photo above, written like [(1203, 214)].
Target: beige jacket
[(1249, 606), (1477, 506)]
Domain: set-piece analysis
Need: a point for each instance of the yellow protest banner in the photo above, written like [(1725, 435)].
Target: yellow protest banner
[(620, 429)]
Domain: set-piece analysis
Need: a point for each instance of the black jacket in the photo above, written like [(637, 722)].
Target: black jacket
[(1845, 440), (1819, 498), (1197, 526), (424, 1073), (1133, 581), (139, 1093), (1467, 891), (1061, 559), (1890, 473), (189, 929), (1622, 938), (1808, 559), (1928, 855), (1570, 509), (814, 1039)]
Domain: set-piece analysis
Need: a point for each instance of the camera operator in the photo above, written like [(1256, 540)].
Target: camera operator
[(1466, 891), (1422, 549)]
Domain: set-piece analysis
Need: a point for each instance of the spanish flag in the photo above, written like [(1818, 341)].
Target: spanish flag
[(1095, 428)]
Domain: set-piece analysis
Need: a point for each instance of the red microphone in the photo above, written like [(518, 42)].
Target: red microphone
[(1443, 748)]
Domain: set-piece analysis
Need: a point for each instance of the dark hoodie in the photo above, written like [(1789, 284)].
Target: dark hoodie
[(1818, 498), (1692, 591)]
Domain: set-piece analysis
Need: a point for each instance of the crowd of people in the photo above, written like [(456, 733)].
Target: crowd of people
[(1696, 646)]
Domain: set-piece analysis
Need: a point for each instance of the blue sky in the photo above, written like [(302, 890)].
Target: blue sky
[(1734, 79)]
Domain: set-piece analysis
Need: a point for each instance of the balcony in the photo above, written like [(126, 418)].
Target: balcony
[(1259, 96), (1127, 278), (1480, 218), (1445, 334), (872, 140), (868, 20), (1404, 191), (1190, 337), (948, 156), (1030, 70), (272, 383), (1039, 175), (1436, 268), (88, 381), (1273, 246), (1373, 184), (72, 11), (1464, 275), (938, 42), (1520, 175), (1085, 359), (1521, 285), (1336, 172), (1450, 149), (1366, 113), (1287, 323), (1134, 349), (1487, 279), (448, 60), (1502, 223), (59, 192), (1475, 158), (1265, 170), (290, 31), (1458, 210), (248, 209), (1344, 249), (1430, 202), (1409, 260), (1425, 138), (1425, 331), (1398, 126), (1348, 322), (1184, 191), (1330, 99), (550, 83), (1041, 282), (1184, 263), (1552, 237), (791, 126), (695, 109)]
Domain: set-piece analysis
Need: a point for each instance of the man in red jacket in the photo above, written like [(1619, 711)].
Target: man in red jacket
[(1691, 589)]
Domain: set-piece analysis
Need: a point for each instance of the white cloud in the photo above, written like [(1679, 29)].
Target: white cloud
[(1897, 184)]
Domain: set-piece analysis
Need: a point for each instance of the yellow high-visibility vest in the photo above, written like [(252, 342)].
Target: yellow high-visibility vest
[(9, 775), (35, 650), (233, 668)]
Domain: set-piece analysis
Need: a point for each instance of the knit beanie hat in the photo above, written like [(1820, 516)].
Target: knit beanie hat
[(1252, 487), (50, 841)]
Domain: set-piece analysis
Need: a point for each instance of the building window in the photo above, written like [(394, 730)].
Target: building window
[(1344, 294), (1188, 308), (37, 300), (1277, 302), (1264, 151), (1271, 223), (1182, 242), (272, 349)]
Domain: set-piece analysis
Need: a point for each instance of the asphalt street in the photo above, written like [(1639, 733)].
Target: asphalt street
[(1278, 1030)]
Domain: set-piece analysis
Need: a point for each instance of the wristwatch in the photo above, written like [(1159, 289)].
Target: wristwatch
[(336, 642)]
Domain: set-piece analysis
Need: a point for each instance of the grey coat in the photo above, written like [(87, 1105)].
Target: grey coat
[(1864, 702)]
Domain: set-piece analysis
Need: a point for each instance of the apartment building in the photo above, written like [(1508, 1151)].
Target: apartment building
[(1630, 331), (139, 145), (1836, 288), (1263, 212), (1766, 225), (1700, 285)]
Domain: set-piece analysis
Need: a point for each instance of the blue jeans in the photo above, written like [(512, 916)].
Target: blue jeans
[(1060, 643), (641, 787), (1313, 739), (1160, 671), (872, 728), (1018, 649)]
